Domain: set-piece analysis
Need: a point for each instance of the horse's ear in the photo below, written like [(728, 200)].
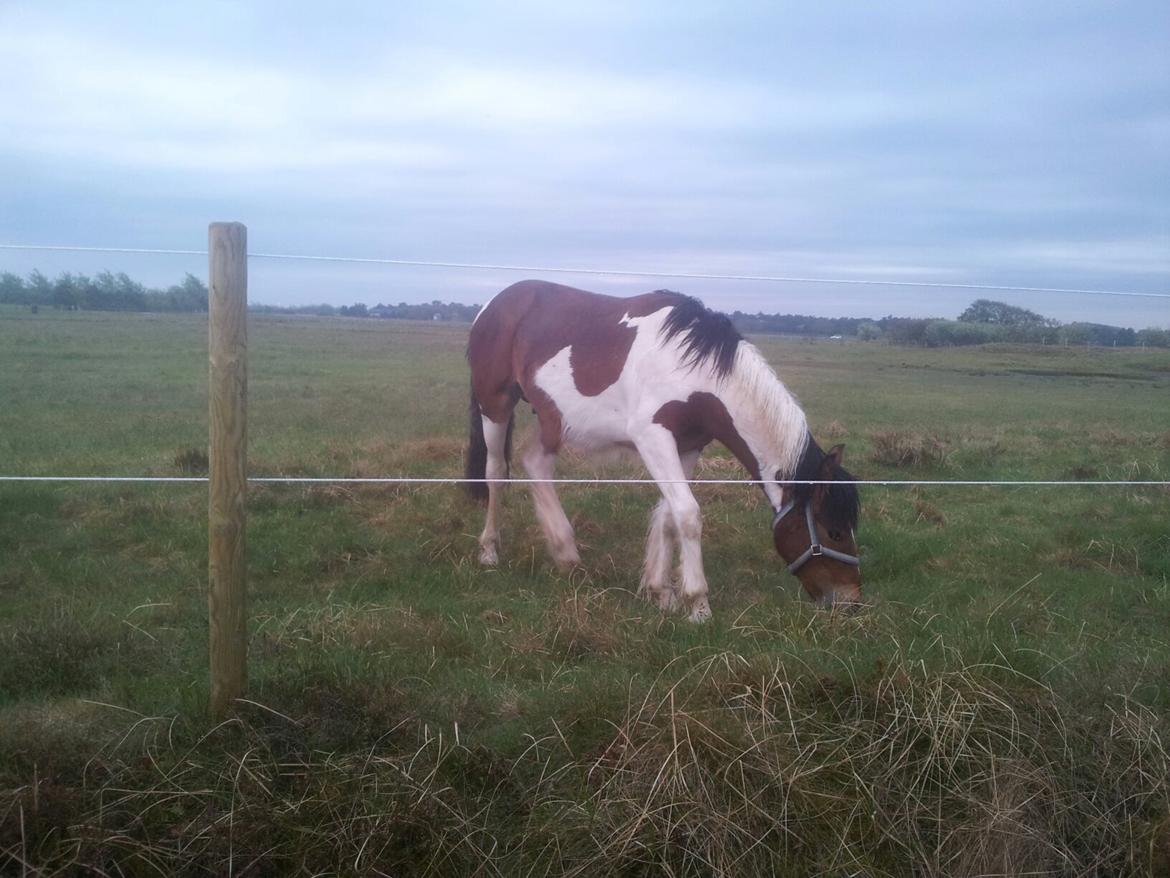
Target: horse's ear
[(833, 459)]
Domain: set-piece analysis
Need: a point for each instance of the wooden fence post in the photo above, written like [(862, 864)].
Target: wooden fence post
[(227, 443)]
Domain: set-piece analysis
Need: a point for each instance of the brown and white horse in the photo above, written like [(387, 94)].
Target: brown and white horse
[(664, 376)]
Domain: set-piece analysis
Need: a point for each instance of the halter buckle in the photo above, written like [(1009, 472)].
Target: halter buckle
[(815, 549)]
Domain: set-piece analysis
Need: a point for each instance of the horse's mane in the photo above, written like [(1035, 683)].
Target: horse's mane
[(842, 502), (707, 336)]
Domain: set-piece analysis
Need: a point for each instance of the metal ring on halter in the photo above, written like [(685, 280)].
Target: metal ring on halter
[(815, 549)]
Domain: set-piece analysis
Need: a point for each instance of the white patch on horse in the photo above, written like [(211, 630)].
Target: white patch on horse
[(626, 407), (762, 411)]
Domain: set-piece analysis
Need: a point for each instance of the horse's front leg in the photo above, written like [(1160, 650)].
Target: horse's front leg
[(659, 452), (656, 586), (661, 541)]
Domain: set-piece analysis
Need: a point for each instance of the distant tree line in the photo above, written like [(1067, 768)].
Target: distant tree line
[(990, 321), (103, 292), (983, 322), (795, 324)]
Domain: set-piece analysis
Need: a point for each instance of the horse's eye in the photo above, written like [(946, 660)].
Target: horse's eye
[(835, 535)]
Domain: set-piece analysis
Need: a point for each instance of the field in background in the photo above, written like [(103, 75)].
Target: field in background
[(1003, 706)]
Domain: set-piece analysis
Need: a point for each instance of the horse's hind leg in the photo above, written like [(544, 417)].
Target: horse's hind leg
[(540, 463), (661, 542), (496, 437)]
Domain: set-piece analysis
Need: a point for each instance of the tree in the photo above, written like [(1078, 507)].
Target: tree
[(1073, 333), (190, 295), (69, 291), (1003, 314), (39, 288), (12, 290), (1098, 334), (1154, 337), (906, 330)]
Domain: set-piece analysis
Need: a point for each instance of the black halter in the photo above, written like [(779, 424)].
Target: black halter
[(815, 548)]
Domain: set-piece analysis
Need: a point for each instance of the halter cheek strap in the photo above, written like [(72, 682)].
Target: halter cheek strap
[(815, 549)]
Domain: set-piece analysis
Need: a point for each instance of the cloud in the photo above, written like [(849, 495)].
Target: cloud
[(142, 106), (980, 145)]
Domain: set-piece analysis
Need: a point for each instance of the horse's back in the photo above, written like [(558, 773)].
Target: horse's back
[(527, 323), (541, 303)]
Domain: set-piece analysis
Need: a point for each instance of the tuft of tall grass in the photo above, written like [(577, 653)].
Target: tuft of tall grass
[(908, 449), (191, 461)]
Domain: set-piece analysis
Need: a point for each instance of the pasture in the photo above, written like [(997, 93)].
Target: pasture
[(1003, 707)]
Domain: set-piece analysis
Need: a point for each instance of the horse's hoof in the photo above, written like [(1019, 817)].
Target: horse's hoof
[(700, 611), (661, 596), (488, 556), (667, 600), (568, 563)]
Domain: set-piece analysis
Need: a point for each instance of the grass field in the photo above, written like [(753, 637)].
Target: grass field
[(1003, 707)]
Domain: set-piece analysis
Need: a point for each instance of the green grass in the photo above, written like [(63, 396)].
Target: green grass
[(1001, 708)]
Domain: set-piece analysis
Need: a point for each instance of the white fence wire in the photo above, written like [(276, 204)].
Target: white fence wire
[(422, 480), (608, 272)]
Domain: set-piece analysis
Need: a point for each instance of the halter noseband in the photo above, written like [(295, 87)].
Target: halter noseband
[(815, 548)]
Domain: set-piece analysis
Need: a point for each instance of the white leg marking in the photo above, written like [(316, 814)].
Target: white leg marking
[(656, 586), (660, 548), (659, 452), (558, 532), (495, 435)]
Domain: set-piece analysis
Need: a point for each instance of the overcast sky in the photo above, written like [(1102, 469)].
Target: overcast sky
[(985, 142)]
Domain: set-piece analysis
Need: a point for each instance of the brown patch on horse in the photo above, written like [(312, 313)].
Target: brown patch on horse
[(597, 360), (548, 416), (700, 418), (528, 323), (588, 324)]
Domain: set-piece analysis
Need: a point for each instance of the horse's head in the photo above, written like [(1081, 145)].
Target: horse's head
[(814, 529)]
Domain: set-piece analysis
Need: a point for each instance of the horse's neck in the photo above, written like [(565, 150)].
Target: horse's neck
[(765, 414)]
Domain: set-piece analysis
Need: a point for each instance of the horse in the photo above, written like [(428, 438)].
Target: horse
[(660, 374)]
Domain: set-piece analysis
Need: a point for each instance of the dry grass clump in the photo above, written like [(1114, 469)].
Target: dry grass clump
[(740, 767), (933, 775), (191, 461), (718, 466), (836, 430), (248, 801), (907, 449), (373, 629), (583, 622), (929, 513), (373, 458)]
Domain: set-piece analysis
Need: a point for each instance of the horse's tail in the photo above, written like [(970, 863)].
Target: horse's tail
[(475, 470), (476, 458)]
